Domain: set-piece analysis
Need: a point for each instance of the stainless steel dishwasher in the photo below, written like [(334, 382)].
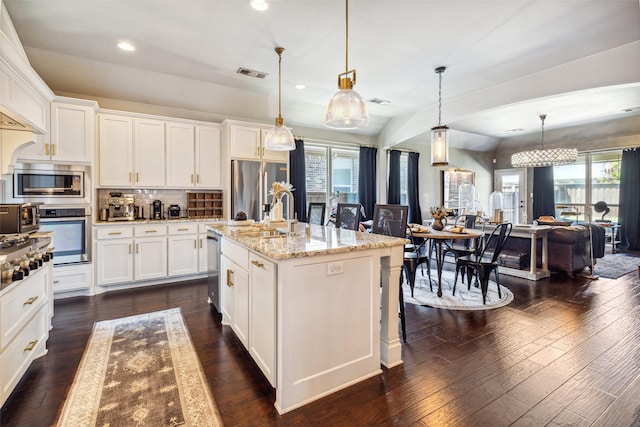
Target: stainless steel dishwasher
[(213, 274)]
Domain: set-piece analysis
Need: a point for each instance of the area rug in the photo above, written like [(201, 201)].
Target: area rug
[(140, 371), (463, 299), (613, 266)]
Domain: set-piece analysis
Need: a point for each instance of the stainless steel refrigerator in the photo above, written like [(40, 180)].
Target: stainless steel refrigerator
[(250, 185)]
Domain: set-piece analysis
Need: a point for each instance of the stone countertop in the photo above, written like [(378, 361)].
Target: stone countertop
[(323, 241), (159, 221)]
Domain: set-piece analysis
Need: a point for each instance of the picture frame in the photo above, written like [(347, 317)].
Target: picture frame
[(450, 180)]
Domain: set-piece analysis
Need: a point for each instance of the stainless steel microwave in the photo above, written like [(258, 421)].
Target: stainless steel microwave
[(50, 183)]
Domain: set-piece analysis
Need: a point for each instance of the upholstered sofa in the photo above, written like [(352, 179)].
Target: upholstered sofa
[(568, 247)]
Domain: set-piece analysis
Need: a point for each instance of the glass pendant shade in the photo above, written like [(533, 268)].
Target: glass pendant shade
[(439, 146), (466, 199), (279, 138), (346, 110)]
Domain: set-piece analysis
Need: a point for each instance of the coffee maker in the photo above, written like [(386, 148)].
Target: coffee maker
[(121, 208), (156, 210)]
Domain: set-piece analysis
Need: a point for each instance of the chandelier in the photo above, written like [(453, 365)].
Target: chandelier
[(440, 133), (347, 109), (544, 157)]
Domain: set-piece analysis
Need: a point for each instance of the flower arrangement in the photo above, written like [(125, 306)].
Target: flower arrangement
[(438, 212), (277, 186)]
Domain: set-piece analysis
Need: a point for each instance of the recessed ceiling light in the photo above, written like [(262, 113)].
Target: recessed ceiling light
[(516, 130), (126, 46), (300, 86), (631, 110), (259, 4)]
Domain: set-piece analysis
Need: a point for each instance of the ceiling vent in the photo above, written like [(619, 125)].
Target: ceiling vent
[(252, 73), (379, 101)]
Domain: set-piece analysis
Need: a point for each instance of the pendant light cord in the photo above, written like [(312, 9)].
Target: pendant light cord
[(542, 117), (440, 99), (346, 59), (280, 84)]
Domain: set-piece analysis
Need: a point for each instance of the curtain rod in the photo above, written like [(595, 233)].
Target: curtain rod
[(604, 150), (326, 141)]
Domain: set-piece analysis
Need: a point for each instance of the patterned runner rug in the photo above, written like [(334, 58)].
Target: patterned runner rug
[(140, 370), (463, 299)]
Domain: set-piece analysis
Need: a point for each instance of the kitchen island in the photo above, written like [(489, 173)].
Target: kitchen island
[(316, 313)]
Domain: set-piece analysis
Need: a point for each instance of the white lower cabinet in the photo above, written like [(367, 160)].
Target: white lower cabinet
[(262, 315), (25, 320), (183, 249), (150, 261), (114, 261), (249, 303), (75, 277)]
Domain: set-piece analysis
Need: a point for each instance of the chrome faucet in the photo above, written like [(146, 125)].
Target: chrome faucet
[(291, 219)]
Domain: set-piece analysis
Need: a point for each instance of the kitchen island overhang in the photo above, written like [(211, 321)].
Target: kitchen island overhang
[(335, 306)]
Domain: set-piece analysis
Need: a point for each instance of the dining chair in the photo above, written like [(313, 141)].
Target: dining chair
[(348, 216), (391, 220), (315, 214), (464, 247), (485, 261)]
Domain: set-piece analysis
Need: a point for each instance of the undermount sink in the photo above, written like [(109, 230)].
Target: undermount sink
[(264, 234)]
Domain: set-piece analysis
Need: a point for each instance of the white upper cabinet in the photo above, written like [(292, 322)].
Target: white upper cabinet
[(72, 135), (246, 141), (131, 151), (193, 156)]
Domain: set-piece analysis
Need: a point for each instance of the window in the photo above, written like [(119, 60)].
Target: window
[(404, 172), (332, 174), (594, 177)]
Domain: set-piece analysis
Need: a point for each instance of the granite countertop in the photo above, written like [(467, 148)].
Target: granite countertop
[(158, 221), (323, 241)]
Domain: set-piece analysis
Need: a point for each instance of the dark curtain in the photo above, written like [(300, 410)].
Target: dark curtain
[(393, 190), (367, 179), (298, 178), (629, 216), (543, 192), (413, 189)]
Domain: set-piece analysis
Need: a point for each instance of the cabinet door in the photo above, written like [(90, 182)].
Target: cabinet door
[(115, 150), (272, 155), (72, 133), (114, 261), (149, 153), (203, 260), (262, 318), (245, 142), (235, 299), (150, 258), (183, 254), (180, 155), (208, 157)]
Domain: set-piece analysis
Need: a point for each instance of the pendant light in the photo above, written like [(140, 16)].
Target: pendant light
[(279, 138), (440, 133), (544, 157), (347, 109)]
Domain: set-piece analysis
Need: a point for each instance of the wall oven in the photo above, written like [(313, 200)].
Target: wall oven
[(72, 232)]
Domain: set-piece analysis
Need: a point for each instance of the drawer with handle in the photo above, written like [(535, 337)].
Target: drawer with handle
[(114, 233)]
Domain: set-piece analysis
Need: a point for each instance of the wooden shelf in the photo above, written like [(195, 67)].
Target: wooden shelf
[(204, 204)]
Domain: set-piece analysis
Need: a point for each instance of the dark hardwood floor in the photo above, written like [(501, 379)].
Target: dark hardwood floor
[(566, 351)]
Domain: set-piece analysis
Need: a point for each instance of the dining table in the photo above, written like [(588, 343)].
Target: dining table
[(440, 239)]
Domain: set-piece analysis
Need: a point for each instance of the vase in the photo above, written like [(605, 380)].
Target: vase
[(438, 224)]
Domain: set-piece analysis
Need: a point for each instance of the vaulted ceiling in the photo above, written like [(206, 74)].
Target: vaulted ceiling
[(508, 61)]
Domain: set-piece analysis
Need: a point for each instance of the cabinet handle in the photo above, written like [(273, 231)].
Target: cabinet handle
[(192, 178), (183, 229), (150, 231), (129, 248), (229, 281), (129, 176), (31, 345), (111, 233), (137, 177), (195, 244), (256, 263), (200, 243), (197, 178), (137, 248), (46, 149), (53, 149), (56, 281), (262, 151), (30, 301)]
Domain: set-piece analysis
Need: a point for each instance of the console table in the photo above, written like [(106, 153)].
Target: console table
[(532, 232), (611, 234)]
